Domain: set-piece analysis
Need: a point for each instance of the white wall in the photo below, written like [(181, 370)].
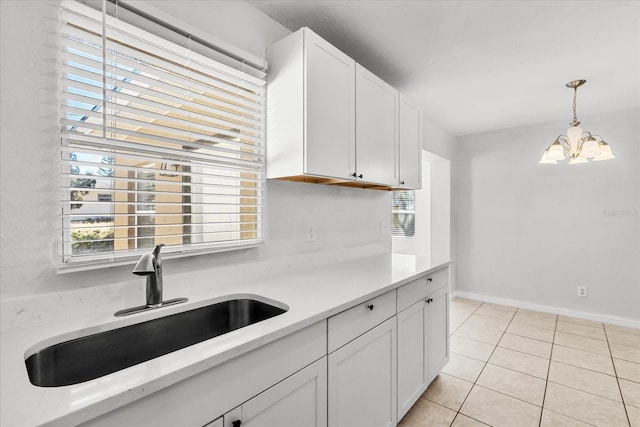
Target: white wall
[(437, 140), (442, 143), (433, 212), (533, 233), (344, 218), (440, 242)]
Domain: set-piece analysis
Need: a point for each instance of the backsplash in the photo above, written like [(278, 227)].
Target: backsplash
[(344, 218), (37, 309)]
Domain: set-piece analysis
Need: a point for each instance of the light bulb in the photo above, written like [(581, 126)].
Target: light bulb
[(590, 148), (577, 160), (556, 151), (546, 159), (605, 152)]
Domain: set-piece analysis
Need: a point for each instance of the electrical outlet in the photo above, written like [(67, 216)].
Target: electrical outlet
[(582, 291), (311, 233), (383, 228)]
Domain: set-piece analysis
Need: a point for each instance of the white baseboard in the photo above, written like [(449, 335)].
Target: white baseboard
[(614, 320)]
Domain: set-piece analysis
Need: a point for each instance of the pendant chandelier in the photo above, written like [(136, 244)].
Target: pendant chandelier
[(578, 145)]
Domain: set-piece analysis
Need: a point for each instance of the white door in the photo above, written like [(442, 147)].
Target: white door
[(330, 109), (299, 400), (437, 328), (376, 129), (411, 356), (362, 380)]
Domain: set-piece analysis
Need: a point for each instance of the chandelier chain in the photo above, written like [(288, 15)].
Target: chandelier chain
[(575, 95)]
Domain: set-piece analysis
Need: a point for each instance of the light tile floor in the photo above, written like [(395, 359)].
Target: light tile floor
[(514, 367)]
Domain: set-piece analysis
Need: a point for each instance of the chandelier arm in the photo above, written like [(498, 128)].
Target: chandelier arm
[(564, 141), (572, 144), (583, 138)]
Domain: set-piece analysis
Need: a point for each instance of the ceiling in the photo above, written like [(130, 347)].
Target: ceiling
[(476, 66)]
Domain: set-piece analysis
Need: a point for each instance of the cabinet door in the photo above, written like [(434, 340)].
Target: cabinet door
[(437, 328), (362, 380), (411, 356), (409, 146), (300, 400), (330, 109), (376, 129)]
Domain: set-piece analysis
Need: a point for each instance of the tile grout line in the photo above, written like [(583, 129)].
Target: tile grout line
[(474, 383), (583, 336), (581, 367), (485, 365), (584, 391), (615, 372), (546, 381)]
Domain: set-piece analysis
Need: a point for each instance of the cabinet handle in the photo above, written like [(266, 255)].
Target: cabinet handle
[(236, 423), (370, 307), (360, 176), (430, 279), (401, 182), (355, 175), (429, 300)]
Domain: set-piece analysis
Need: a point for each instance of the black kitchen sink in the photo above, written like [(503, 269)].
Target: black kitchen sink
[(92, 356)]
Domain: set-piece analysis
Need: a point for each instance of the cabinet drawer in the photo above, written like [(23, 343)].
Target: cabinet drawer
[(351, 323), (420, 288)]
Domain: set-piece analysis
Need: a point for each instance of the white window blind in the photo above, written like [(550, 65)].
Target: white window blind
[(160, 144), (403, 214)]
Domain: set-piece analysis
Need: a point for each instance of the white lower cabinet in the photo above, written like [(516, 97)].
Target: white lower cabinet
[(437, 332), (362, 380), (412, 366), (363, 367), (423, 340), (300, 400)]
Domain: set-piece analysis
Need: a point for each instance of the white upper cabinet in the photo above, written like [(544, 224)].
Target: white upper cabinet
[(330, 109), (409, 142), (310, 109), (329, 120), (376, 129)]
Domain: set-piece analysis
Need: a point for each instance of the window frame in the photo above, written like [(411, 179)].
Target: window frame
[(395, 211), (68, 261)]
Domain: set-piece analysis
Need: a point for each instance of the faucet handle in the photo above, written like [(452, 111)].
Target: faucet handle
[(145, 265), (156, 251), (156, 255), (148, 263)]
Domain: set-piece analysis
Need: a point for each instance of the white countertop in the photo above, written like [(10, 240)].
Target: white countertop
[(312, 294)]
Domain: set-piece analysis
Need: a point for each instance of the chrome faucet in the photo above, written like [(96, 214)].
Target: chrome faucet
[(150, 265)]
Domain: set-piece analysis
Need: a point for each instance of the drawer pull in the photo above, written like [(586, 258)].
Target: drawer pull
[(430, 279), (370, 307), (430, 300), (236, 423)]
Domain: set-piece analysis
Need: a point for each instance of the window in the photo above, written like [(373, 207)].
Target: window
[(403, 219), (160, 144)]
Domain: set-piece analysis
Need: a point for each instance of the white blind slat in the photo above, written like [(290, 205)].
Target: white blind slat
[(403, 214), (160, 144)]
